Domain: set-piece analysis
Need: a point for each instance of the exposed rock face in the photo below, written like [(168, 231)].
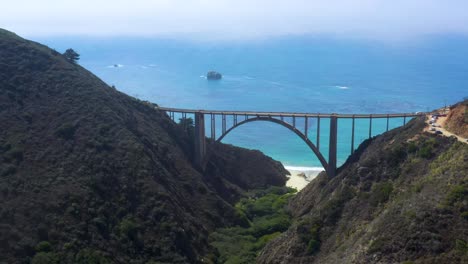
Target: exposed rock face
[(88, 173), (402, 196), (457, 120), (212, 75)]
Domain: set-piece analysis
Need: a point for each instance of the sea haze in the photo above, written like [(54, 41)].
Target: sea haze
[(297, 74)]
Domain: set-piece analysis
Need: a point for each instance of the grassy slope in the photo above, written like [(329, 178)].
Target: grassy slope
[(403, 197), (90, 174)]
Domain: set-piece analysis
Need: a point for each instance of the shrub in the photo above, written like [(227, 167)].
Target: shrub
[(66, 131), (376, 245), (262, 241), (425, 152), (395, 155), (89, 256), (7, 170), (269, 225), (456, 194), (465, 215), (412, 147), (381, 193), (14, 154), (313, 246), (128, 228), (427, 149), (309, 233), (43, 246), (45, 258), (461, 246), (262, 219)]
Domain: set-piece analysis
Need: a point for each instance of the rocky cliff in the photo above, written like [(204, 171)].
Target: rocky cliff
[(457, 119), (91, 175), (401, 198)]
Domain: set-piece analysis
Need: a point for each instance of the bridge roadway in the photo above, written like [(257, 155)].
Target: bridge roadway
[(201, 154), (289, 114)]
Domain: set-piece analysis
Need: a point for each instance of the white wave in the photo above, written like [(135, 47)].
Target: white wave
[(342, 87), (203, 76), (304, 169), (152, 65), (115, 66), (143, 67)]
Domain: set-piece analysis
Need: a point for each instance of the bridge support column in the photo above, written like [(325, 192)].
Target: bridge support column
[(332, 147), (200, 140)]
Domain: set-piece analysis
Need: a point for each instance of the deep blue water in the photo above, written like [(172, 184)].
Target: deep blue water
[(300, 74)]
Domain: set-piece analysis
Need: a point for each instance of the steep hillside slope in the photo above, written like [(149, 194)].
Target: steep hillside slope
[(457, 119), (90, 175), (401, 198)]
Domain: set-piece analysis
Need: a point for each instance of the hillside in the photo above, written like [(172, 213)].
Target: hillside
[(401, 198), (91, 175), (457, 119)]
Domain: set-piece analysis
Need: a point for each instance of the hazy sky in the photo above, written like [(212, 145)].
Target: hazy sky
[(238, 19)]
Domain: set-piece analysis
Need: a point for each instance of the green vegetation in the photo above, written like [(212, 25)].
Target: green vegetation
[(309, 233), (461, 246), (263, 217), (66, 131), (457, 194), (84, 256), (187, 125), (128, 229), (71, 56), (43, 246), (381, 192), (376, 245), (45, 258)]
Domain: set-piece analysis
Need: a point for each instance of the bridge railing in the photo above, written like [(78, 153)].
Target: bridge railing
[(290, 114), (297, 122)]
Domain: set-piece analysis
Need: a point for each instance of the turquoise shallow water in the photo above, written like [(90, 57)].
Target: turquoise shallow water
[(300, 74)]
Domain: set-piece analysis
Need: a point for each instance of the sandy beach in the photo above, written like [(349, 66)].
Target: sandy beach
[(301, 176)]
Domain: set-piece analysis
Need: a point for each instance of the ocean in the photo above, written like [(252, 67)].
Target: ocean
[(293, 74)]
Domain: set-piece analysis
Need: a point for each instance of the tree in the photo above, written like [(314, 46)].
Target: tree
[(71, 55), (187, 125)]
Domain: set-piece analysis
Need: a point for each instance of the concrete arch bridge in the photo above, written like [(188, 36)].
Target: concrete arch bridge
[(233, 119)]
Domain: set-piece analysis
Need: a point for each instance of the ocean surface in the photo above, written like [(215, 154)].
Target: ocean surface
[(295, 74)]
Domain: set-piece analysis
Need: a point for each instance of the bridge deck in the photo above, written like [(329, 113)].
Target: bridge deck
[(289, 114)]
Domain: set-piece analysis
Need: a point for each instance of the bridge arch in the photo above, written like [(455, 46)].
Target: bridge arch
[(309, 143)]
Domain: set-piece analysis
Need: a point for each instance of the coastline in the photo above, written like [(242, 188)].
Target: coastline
[(301, 176)]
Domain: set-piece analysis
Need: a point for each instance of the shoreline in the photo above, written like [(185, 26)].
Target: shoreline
[(301, 176)]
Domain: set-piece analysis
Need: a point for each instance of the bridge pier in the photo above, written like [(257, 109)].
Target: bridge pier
[(200, 148), (200, 140), (332, 147)]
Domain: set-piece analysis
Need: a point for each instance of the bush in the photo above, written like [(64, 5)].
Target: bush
[(376, 245), (309, 233), (456, 194), (45, 258), (427, 149), (269, 225), (313, 246), (461, 246), (262, 217), (412, 147), (66, 131), (425, 152), (381, 192), (128, 228), (43, 246), (89, 256)]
